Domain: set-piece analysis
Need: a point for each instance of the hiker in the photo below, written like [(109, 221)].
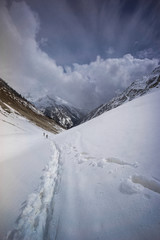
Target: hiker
[(46, 135)]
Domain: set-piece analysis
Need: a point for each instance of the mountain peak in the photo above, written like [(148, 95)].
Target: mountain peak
[(64, 113)]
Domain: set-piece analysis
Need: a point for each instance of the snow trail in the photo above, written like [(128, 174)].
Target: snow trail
[(37, 210)]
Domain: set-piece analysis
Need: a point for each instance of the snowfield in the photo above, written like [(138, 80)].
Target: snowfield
[(24, 152), (102, 180)]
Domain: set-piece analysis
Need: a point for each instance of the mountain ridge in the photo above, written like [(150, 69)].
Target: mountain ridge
[(136, 89), (62, 112)]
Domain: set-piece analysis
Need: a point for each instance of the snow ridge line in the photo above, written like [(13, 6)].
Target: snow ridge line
[(33, 220)]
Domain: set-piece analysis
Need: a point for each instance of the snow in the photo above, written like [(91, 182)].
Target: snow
[(102, 180), (23, 154), (36, 210), (110, 182)]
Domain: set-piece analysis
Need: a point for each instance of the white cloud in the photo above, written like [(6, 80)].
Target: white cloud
[(28, 69), (43, 41), (110, 51)]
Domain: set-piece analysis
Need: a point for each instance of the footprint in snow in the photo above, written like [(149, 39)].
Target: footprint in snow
[(137, 183), (84, 153), (80, 161), (120, 162), (101, 163), (128, 187), (146, 182)]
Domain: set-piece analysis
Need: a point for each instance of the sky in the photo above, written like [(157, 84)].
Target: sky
[(84, 51)]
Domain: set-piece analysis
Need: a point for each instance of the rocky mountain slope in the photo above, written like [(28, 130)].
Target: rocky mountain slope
[(11, 100), (59, 110), (136, 89)]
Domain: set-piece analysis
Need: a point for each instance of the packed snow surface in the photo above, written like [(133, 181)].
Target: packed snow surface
[(24, 152), (102, 181)]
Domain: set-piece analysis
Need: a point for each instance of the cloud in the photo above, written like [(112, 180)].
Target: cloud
[(110, 51), (78, 31), (148, 53), (105, 77), (29, 69)]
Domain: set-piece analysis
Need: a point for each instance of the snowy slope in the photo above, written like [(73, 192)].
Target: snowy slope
[(24, 152), (136, 89), (103, 181), (59, 110)]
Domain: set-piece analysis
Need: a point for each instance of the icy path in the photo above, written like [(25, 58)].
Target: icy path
[(20, 173), (38, 209), (24, 152)]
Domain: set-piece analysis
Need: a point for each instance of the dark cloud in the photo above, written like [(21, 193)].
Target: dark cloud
[(25, 64), (79, 30)]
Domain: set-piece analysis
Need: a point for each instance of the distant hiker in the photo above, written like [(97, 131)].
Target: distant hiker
[(46, 135)]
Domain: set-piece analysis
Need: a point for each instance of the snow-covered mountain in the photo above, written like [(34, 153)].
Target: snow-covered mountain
[(136, 89), (60, 111), (102, 180), (13, 102)]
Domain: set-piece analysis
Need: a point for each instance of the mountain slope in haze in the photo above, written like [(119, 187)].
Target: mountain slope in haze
[(10, 98), (60, 111), (136, 89)]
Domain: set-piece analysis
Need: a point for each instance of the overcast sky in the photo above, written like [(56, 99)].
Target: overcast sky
[(80, 50)]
